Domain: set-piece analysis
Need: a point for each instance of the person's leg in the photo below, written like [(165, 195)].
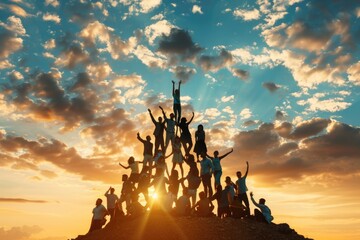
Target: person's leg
[(208, 183), (190, 145), (167, 140), (157, 142), (246, 201), (162, 145), (203, 180), (181, 170), (259, 216)]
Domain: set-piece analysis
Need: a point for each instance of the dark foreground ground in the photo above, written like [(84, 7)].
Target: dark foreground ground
[(164, 227)]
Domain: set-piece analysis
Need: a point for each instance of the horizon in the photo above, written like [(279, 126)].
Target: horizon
[(279, 82)]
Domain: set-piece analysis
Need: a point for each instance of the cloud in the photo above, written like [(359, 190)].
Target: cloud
[(16, 10), (354, 73), (50, 44), (19, 233), (54, 3), (309, 128), (215, 63), (279, 115), (228, 98), (14, 25), (4, 63), (272, 87), (249, 123), (21, 200), (179, 46), (149, 58), (245, 113), (153, 31), (9, 43), (239, 73), (212, 113), (328, 105), (51, 17), (196, 9), (247, 15), (183, 73)]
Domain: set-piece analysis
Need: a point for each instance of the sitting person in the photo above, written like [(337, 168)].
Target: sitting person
[(204, 207), (265, 214), (135, 208), (182, 207)]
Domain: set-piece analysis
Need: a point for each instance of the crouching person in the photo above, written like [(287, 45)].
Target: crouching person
[(264, 214)]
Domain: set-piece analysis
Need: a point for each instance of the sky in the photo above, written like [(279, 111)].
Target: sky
[(276, 80)]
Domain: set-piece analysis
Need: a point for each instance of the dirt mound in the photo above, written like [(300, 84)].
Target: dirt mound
[(164, 227)]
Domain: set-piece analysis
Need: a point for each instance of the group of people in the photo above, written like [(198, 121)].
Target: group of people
[(232, 199)]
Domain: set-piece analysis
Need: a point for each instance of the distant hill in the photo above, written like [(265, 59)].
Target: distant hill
[(165, 227)]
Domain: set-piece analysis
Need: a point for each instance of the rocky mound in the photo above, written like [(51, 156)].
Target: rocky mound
[(164, 227)]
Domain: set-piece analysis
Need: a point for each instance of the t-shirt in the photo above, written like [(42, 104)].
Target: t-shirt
[(184, 129), (265, 210), (111, 200), (170, 125), (176, 99), (159, 129), (206, 166), (134, 167), (99, 212), (216, 163), (241, 185), (148, 148)]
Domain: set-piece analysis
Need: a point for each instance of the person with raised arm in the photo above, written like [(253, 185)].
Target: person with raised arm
[(170, 128), (111, 199), (148, 150), (177, 103), (177, 155), (193, 178), (185, 136), (200, 145), (217, 166), (158, 132), (264, 214), (242, 188), (206, 169), (134, 166)]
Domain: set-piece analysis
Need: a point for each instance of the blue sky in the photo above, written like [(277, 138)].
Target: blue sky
[(278, 81)]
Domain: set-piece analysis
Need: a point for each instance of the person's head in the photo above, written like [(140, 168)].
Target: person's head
[(203, 155), (124, 177), (174, 173), (218, 188), (112, 190), (160, 119), (228, 180), (172, 116), (98, 201), (148, 138), (202, 195), (131, 160), (216, 153), (183, 120), (200, 127), (238, 174), (261, 201)]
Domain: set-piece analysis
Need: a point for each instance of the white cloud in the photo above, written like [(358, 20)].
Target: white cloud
[(14, 25), (159, 16), (212, 113), (196, 9), (327, 105), (147, 57), (245, 113), (16, 75), (52, 17), (247, 15), (128, 81), (228, 98), (354, 73), (54, 3), (4, 63), (157, 29), (50, 44), (149, 5)]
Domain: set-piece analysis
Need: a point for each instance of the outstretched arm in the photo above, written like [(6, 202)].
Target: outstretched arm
[(139, 138), (247, 169), (252, 199), (173, 91), (162, 110), (107, 192), (226, 154), (191, 118), (152, 117), (124, 166), (210, 156)]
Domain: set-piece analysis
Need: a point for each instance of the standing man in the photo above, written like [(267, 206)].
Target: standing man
[(148, 151), (177, 104), (111, 199), (99, 213), (242, 189), (158, 132), (170, 129), (206, 169)]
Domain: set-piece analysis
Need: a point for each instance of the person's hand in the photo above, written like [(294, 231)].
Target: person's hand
[(193, 113), (251, 194), (138, 134), (149, 110), (180, 81), (161, 107), (247, 162), (173, 81)]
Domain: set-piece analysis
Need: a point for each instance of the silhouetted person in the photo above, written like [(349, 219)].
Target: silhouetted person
[(135, 208), (148, 150), (99, 213), (134, 166), (177, 155), (177, 103), (193, 178), (200, 145), (158, 132), (174, 183), (144, 183), (185, 136), (170, 128), (242, 188), (126, 191), (218, 197), (217, 165), (182, 206), (264, 214), (229, 193), (111, 201), (206, 169), (204, 207)]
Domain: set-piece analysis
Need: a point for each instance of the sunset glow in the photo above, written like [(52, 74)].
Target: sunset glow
[(277, 81)]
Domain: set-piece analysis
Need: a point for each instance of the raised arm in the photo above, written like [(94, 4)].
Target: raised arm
[(162, 110), (252, 199), (140, 139), (173, 90), (179, 87), (191, 118), (210, 156), (124, 166), (247, 169), (152, 117), (226, 154), (107, 192)]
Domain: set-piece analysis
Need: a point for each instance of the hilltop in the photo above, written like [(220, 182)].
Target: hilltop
[(164, 227)]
